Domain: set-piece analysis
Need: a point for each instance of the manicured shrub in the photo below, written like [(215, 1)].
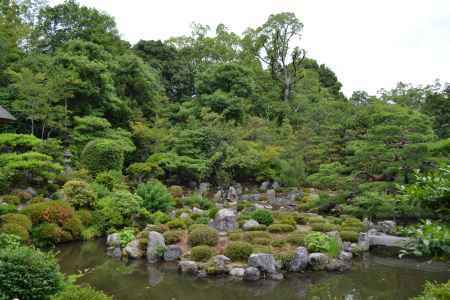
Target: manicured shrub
[(15, 229), (173, 236), (9, 241), (280, 228), (257, 228), (285, 218), (350, 236), (238, 251), (160, 218), (235, 236), (74, 226), (155, 196), (11, 199), (296, 238), (80, 293), (323, 227), (177, 224), (201, 253), (18, 219), (7, 208), (203, 236), (27, 273), (111, 179), (48, 234), (49, 212), (79, 194), (90, 233), (176, 191), (262, 241), (102, 155), (262, 216), (197, 226), (251, 236), (198, 201), (85, 216), (202, 220)]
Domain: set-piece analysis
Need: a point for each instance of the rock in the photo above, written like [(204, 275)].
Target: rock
[(271, 196), (225, 220), (386, 226), (218, 196), (364, 242), (345, 256), (203, 188), (31, 191), (300, 260), (335, 235), (184, 215), (156, 244), (390, 241), (218, 265), (237, 272), (265, 186), (294, 195), (318, 261), (337, 265), (113, 240), (275, 185), (115, 252), (173, 252), (276, 276), (251, 197), (134, 250), (232, 194), (202, 274), (251, 274), (199, 211), (238, 188), (221, 260), (188, 266), (347, 247), (250, 224), (263, 261)]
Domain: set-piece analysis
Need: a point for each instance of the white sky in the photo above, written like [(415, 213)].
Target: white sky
[(369, 44)]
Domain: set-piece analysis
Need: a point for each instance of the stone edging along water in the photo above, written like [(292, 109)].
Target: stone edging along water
[(258, 265)]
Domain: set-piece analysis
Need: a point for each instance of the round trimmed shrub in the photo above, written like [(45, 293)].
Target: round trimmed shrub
[(280, 228), (203, 236), (155, 196), (7, 208), (160, 218), (350, 236), (296, 238), (201, 253), (176, 191), (80, 293), (262, 216), (11, 199), (15, 229), (251, 236), (197, 226), (102, 155), (48, 234), (19, 219), (173, 236), (110, 179), (27, 273), (73, 225), (85, 216), (323, 227), (49, 212), (177, 224), (80, 194), (238, 251)]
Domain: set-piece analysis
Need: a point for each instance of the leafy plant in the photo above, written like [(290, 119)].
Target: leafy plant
[(262, 216), (155, 196), (126, 235)]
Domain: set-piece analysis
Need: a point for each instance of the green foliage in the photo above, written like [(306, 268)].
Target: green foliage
[(126, 235), (317, 242), (18, 219), (296, 238), (173, 236), (57, 212), (111, 179), (80, 293), (238, 251), (160, 218), (15, 229), (196, 200), (155, 196), (201, 253), (42, 279), (79, 194), (12, 142), (203, 236), (102, 155), (262, 216), (280, 228), (47, 234), (350, 236), (7, 208), (330, 176), (177, 224), (435, 291)]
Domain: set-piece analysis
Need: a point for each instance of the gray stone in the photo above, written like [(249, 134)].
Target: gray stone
[(238, 188), (115, 252), (232, 194), (184, 215), (237, 272), (347, 246), (199, 211), (251, 197), (202, 274), (345, 256), (318, 261), (188, 266), (389, 241), (271, 196), (218, 196), (203, 188), (294, 195), (252, 274), (250, 224), (219, 265), (173, 252), (156, 244), (265, 186), (276, 185), (134, 250), (225, 220), (363, 241), (263, 261), (113, 240), (300, 260), (386, 226), (276, 276), (32, 191), (337, 265)]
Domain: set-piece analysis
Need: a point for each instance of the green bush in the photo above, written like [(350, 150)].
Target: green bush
[(28, 273), (212, 212), (262, 216), (197, 226), (296, 238), (79, 194), (160, 218), (7, 208), (203, 236), (85, 216), (280, 228), (317, 242), (11, 199), (238, 251), (197, 200), (102, 155), (18, 219), (251, 236), (126, 235), (155, 196), (350, 236), (201, 253), (435, 291), (47, 234), (80, 293), (111, 179), (177, 224), (173, 236), (49, 212), (15, 229), (9, 241), (74, 226), (323, 227), (276, 243)]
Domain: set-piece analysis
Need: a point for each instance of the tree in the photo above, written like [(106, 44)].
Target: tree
[(276, 38)]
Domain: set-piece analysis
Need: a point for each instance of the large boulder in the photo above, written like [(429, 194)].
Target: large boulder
[(364, 241), (173, 252), (232, 194), (389, 241), (337, 265), (252, 274), (250, 224), (203, 188), (263, 261), (155, 245), (300, 260), (113, 240), (271, 196), (345, 256), (386, 226), (318, 261), (251, 197), (188, 266), (218, 265), (134, 250), (237, 272), (265, 186), (225, 220)]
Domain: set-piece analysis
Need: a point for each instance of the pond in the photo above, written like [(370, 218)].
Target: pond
[(373, 277)]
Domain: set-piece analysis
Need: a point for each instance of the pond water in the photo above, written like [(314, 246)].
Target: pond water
[(373, 277)]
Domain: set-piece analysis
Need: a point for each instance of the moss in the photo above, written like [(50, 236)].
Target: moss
[(238, 251), (280, 228), (201, 253), (11, 199)]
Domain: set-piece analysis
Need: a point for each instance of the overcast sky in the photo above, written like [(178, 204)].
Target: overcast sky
[(369, 44)]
